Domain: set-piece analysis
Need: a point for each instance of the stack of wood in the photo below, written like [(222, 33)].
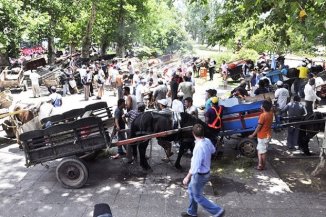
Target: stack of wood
[(5, 99)]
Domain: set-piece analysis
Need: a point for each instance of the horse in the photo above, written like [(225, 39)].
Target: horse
[(307, 131), (152, 122)]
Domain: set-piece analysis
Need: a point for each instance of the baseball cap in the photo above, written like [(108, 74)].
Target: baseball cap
[(279, 83), (180, 94), (163, 102)]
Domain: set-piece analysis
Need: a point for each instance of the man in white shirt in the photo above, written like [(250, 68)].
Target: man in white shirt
[(135, 81), (45, 109), (319, 83), (282, 95), (187, 88), (140, 91), (177, 105), (35, 83), (310, 95)]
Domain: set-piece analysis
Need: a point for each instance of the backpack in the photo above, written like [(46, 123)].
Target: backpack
[(84, 80), (56, 102)]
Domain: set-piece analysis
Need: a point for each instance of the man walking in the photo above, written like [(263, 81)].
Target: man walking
[(35, 83), (198, 175)]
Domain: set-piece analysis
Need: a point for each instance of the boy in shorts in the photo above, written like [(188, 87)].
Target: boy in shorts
[(263, 132)]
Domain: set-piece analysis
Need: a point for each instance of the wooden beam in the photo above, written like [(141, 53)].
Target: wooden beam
[(154, 135)]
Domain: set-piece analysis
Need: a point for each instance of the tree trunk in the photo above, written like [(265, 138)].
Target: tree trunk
[(104, 44), (87, 40), (120, 50), (4, 59), (50, 50), (72, 48)]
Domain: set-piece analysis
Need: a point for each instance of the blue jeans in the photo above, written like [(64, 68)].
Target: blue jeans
[(195, 191), (121, 136)]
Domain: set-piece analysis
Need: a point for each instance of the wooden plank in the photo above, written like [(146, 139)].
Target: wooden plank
[(154, 135)]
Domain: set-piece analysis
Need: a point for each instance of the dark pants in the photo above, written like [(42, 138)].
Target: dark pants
[(211, 73), (121, 136), (309, 107), (298, 86), (293, 134)]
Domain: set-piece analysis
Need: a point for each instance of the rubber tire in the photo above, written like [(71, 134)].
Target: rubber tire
[(248, 147), (10, 132), (78, 172)]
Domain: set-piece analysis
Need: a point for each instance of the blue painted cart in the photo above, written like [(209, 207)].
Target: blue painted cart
[(242, 119)]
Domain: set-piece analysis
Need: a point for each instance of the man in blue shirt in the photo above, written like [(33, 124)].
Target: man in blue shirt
[(198, 175)]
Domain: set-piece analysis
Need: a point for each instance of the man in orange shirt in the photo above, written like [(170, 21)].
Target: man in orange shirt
[(263, 132)]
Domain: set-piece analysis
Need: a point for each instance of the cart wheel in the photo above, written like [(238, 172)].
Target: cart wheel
[(248, 147), (72, 173)]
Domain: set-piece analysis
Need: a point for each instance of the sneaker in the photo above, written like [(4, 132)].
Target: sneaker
[(185, 214), (219, 214)]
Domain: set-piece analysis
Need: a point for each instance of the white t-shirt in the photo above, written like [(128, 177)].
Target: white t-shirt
[(177, 106), (282, 95), (135, 80), (140, 90), (224, 67), (191, 110), (34, 78), (82, 72), (45, 110), (318, 82)]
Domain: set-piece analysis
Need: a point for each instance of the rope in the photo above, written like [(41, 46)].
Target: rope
[(312, 131), (12, 113)]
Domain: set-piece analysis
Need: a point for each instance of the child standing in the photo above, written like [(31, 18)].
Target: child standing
[(263, 132)]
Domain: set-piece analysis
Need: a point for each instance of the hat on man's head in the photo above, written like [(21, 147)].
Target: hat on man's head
[(214, 100), (163, 102), (180, 94), (279, 83)]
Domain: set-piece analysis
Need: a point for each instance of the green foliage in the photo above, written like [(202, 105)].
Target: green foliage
[(265, 25), (229, 56), (10, 26)]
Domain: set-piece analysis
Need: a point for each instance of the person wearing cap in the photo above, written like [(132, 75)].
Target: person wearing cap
[(177, 105), (281, 95), (35, 83), (310, 95), (213, 116), (209, 94), (56, 98)]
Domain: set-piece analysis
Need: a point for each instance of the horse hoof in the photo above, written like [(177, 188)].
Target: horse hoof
[(179, 167)]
